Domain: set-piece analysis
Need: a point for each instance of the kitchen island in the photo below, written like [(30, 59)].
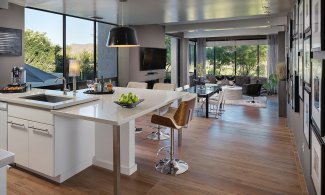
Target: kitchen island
[(105, 129)]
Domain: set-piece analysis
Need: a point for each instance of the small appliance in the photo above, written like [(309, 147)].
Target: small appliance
[(18, 76)]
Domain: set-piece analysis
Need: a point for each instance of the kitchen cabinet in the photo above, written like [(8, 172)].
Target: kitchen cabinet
[(53, 147), (41, 148), (3, 126), (31, 141), (18, 139)]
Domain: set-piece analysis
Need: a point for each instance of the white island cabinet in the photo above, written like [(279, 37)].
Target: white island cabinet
[(52, 146)]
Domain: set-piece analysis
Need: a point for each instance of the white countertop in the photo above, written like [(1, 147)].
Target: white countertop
[(106, 111), (17, 99), (6, 158)]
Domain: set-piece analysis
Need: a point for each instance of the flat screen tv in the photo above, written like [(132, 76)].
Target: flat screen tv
[(152, 58)]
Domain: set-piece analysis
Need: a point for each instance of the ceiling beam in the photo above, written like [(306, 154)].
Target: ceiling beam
[(237, 32), (231, 24)]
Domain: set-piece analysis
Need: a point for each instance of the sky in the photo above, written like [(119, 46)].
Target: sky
[(78, 31)]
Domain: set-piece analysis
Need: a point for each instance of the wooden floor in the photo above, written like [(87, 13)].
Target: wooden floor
[(247, 151)]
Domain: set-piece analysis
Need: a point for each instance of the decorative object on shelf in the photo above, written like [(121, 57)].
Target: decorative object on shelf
[(74, 71), (10, 42), (122, 36), (317, 164), (307, 115), (301, 26), (317, 107), (307, 68), (317, 25), (307, 15), (300, 74)]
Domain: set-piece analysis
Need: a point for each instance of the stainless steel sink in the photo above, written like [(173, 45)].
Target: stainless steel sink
[(47, 98)]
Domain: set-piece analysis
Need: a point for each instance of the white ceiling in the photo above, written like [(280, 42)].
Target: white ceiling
[(168, 12)]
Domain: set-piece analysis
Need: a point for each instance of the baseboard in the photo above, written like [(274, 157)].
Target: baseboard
[(64, 176), (109, 165)]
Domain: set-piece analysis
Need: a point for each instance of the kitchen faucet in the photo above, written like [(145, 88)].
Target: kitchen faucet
[(65, 89)]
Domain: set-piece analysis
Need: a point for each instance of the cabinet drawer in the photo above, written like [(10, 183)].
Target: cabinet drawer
[(32, 114), (41, 148), (18, 139)]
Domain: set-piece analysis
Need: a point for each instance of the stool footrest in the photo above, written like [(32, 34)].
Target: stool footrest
[(172, 167)]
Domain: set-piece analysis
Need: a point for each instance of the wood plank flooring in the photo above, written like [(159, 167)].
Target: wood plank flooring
[(247, 151)]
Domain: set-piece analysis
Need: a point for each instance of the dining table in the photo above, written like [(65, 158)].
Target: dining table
[(205, 91)]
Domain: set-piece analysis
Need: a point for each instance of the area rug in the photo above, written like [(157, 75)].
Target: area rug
[(260, 102)]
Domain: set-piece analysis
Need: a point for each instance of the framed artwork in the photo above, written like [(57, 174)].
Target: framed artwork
[(293, 15), (294, 56), (307, 68), (296, 18), (317, 159), (317, 25), (301, 78), (316, 95), (307, 15), (10, 42), (301, 25), (306, 115)]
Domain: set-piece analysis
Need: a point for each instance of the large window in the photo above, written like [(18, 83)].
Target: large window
[(191, 56), (85, 40), (237, 58), (80, 45), (44, 43), (224, 60), (246, 60)]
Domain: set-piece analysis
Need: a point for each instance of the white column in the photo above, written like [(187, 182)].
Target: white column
[(174, 59), (104, 147)]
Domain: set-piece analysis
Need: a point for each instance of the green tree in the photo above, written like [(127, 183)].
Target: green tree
[(246, 60), (40, 52), (225, 56), (86, 60)]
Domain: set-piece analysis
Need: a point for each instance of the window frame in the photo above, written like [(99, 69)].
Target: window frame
[(64, 23)]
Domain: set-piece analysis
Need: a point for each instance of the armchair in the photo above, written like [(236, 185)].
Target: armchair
[(253, 90)]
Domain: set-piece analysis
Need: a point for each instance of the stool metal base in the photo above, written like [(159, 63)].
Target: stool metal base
[(172, 167), (157, 136)]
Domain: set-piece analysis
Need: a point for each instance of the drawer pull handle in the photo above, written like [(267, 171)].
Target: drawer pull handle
[(41, 130), (17, 124)]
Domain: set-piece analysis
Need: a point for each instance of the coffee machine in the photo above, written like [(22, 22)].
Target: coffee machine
[(18, 76)]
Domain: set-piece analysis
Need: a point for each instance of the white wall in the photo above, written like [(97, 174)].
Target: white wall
[(129, 59), (11, 18)]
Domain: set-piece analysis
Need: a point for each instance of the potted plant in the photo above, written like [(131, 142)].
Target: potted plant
[(282, 88)]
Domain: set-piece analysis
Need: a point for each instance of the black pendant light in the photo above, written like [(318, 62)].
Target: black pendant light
[(122, 36)]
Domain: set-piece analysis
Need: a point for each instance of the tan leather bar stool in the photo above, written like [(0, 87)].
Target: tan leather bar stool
[(175, 119), (159, 135)]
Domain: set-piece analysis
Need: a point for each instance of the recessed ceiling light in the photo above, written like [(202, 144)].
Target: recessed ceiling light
[(96, 17)]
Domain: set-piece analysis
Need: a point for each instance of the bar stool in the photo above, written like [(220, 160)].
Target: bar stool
[(159, 135), (175, 119)]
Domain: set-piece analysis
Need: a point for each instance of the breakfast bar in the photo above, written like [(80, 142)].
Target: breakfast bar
[(91, 129)]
